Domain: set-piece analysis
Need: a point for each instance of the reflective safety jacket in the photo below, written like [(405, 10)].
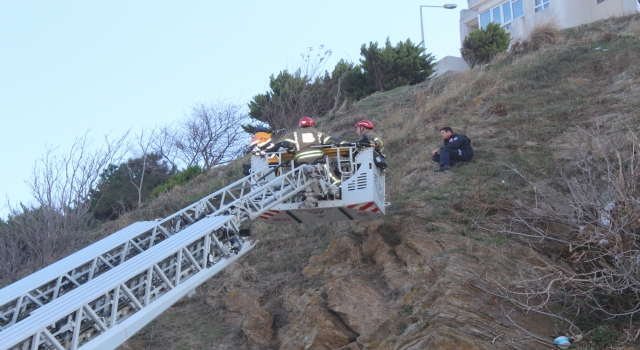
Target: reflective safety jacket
[(261, 140), (302, 141)]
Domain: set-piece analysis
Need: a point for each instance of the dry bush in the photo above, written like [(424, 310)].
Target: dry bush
[(607, 36), (421, 98), (499, 109), (595, 237), (59, 220), (545, 34), (242, 273), (542, 35)]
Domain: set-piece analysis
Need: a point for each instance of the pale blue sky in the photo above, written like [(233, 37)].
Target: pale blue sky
[(69, 66)]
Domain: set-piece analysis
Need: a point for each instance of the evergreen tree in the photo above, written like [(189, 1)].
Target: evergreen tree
[(483, 44), (354, 84), (390, 67), (292, 96), (116, 192), (306, 91)]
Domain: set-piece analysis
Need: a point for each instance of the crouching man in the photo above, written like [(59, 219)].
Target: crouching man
[(456, 148)]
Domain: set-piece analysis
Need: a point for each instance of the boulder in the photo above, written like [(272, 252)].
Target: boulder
[(242, 301), (317, 328), (257, 327), (358, 303)]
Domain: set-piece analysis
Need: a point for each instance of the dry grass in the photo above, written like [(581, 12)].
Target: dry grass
[(242, 274)]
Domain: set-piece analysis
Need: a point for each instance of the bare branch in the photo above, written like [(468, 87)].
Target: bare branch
[(210, 136)]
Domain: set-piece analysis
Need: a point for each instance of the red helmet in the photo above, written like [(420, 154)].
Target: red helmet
[(305, 122), (365, 123)]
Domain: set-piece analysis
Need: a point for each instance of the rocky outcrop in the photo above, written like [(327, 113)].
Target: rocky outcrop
[(341, 256), (258, 327), (317, 328), (398, 285), (242, 301), (358, 304)]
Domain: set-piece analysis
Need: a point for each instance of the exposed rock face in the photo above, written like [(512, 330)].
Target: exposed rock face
[(358, 303), (242, 301), (342, 254), (317, 328), (399, 286), (238, 304), (351, 346), (257, 327)]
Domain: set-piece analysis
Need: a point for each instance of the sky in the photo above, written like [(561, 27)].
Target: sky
[(108, 66)]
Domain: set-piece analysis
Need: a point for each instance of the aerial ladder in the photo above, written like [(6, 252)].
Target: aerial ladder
[(103, 294)]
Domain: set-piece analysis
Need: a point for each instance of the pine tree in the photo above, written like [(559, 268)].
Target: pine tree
[(390, 67), (483, 44)]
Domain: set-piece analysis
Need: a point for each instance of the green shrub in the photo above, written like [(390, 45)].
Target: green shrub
[(483, 44), (180, 178)]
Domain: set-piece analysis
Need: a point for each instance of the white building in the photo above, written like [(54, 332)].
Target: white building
[(519, 17), (449, 65)]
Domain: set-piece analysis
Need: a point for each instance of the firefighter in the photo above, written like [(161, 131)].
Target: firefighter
[(304, 138), (364, 128), (262, 139), (370, 139)]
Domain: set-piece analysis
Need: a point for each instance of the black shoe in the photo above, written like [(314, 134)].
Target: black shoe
[(443, 168)]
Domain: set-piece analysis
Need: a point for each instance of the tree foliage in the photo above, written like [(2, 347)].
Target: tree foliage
[(305, 91), (310, 91), (354, 82), (180, 178), (389, 67), (483, 44), (117, 191)]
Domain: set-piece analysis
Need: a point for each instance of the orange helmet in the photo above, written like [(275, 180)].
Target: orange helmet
[(305, 122), (365, 123)]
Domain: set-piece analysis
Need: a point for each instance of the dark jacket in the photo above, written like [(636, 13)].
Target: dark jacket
[(372, 140), (459, 142)]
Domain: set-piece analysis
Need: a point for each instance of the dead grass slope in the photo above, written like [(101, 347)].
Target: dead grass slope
[(423, 261)]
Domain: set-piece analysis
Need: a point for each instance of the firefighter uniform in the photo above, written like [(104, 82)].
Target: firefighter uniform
[(262, 140), (372, 140), (302, 141)]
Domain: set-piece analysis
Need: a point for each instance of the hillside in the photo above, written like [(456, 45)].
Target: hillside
[(444, 268)]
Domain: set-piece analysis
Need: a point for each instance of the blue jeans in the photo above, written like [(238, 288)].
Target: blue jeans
[(447, 155)]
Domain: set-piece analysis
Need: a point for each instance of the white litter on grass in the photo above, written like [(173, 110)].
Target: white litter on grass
[(562, 342), (604, 219)]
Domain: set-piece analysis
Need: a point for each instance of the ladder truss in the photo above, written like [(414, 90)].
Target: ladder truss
[(107, 310), (247, 198)]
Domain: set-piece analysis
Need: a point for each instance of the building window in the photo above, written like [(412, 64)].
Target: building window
[(506, 12), (485, 18), (518, 8), (496, 15), (502, 14), (541, 5)]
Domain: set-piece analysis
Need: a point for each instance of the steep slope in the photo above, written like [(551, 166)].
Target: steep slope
[(418, 278)]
